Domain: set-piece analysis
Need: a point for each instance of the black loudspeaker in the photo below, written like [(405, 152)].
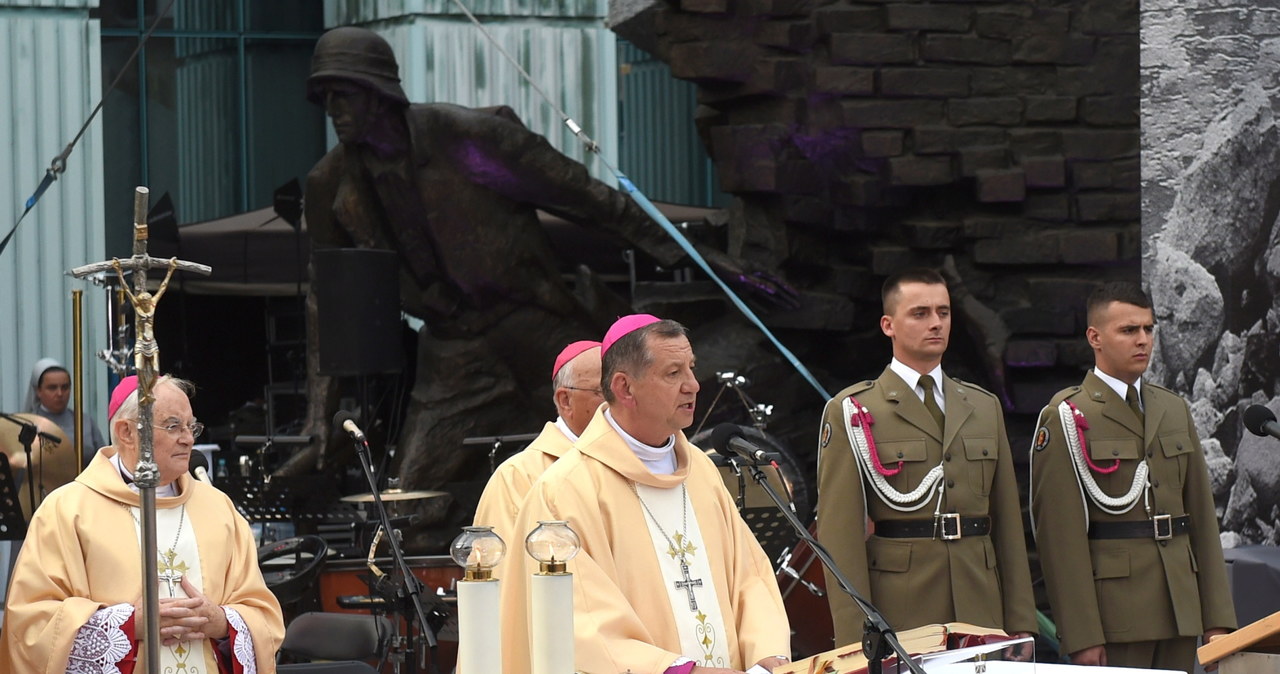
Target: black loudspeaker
[(358, 311)]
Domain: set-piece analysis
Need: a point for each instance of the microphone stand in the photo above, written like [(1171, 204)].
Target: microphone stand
[(878, 638), (26, 436), (412, 586)]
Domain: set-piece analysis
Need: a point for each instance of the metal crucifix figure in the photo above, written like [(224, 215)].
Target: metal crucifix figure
[(147, 363)]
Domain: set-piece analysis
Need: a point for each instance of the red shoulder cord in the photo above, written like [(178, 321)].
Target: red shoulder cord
[(862, 418), (1081, 426)]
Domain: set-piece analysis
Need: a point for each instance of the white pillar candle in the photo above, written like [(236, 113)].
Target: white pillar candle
[(551, 623), (479, 627)]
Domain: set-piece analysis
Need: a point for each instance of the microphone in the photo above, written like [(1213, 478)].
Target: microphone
[(347, 421), (1261, 421), (728, 441), (199, 466)]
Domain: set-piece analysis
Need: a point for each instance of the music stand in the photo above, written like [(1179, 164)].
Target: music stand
[(766, 522), (13, 525)]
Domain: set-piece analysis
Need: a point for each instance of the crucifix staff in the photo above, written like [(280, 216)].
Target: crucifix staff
[(146, 356)]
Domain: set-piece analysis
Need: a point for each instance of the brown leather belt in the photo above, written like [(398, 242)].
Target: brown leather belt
[(1160, 528), (948, 527)]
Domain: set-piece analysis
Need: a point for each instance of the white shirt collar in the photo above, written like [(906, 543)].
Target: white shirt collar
[(564, 428), (1121, 388), (913, 380), (659, 460), (166, 491)]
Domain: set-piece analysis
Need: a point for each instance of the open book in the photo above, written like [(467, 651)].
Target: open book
[(925, 639)]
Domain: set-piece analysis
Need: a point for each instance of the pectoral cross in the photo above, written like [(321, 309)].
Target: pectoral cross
[(169, 577), (688, 584)]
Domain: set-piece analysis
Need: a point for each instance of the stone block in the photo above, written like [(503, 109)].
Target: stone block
[(1100, 206), (1049, 108), (817, 311), (1075, 353), (932, 234), (1088, 246), (705, 6), (1003, 23), (857, 190), (779, 76), (1053, 48), (1035, 142), (846, 19), (779, 8), (1110, 110), (887, 259), (965, 49), (1044, 171), (940, 139), (748, 156), (852, 281), (1000, 185), (845, 80), (1005, 111), (882, 143), (1126, 174), (796, 36), (712, 61), (926, 82), (914, 170), (872, 48), (800, 177), (1108, 17), (981, 157), (1047, 207), (1090, 175), (940, 18), (1031, 353), (1026, 80), (890, 113), (1027, 249), (1037, 319), (988, 227), (806, 210)]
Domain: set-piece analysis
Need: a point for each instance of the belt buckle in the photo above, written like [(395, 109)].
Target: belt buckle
[(951, 527), (1163, 525)]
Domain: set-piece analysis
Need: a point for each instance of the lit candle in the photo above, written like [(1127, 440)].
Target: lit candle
[(478, 550), (553, 544)]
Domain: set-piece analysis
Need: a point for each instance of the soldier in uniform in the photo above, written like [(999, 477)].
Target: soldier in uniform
[(1122, 508), (917, 500)]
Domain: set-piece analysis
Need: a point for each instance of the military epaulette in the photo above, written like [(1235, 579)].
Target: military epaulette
[(973, 386), (1068, 392), (855, 389), (1166, 389)]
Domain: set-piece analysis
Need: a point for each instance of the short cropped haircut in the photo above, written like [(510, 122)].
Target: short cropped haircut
[(631, 354), (129, 408), (910, 275), (1115, 291)]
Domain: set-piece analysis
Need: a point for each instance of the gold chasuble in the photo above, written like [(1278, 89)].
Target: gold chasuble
[(510, 483), (629, 614), (70, 605)]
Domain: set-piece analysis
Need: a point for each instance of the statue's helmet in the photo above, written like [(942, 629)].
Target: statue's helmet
[(355, 55)]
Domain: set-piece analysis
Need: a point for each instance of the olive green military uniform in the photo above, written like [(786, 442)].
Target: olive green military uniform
[(978, 579), (1129, 592)]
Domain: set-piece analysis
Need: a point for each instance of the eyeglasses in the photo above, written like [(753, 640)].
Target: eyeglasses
[(588, 390), (175, 428)]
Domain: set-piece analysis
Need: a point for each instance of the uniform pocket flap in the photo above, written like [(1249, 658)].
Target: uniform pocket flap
[(892, 556), (1107, 450), (980, 449), (1178, 443), (1111, 564), (902, 450)]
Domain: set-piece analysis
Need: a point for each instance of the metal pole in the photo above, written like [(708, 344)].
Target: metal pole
[(77, 369)]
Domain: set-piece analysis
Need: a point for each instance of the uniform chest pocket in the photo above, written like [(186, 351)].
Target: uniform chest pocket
[(901, 450), (1102, 449), (1177, 447), (981, 456)]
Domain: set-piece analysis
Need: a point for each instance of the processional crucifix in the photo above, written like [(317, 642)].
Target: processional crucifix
[(146, 360)]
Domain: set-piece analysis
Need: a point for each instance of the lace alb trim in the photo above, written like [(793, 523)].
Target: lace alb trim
[(242, 645), (860, 441), (100, 643)]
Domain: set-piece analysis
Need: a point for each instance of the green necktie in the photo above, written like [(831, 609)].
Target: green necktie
[(1131, 397), (930, 402)]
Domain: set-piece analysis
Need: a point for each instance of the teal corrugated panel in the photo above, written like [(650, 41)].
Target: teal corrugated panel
[(50, 64)]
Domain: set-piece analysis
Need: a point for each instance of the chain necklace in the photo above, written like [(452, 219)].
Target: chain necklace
[(172, 573), (682, 536)]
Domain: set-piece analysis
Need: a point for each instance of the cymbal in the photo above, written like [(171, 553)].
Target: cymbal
[(393, 495), (51, 465)]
